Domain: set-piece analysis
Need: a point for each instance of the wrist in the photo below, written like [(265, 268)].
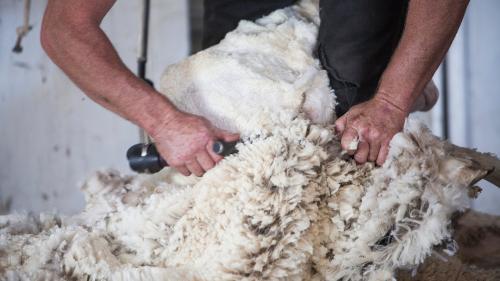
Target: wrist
[(389, 104), (400, 103), (155, 112)]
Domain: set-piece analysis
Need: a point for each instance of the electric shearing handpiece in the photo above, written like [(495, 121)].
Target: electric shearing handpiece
[(144, 157)]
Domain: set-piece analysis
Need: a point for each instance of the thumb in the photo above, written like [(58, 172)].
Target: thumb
[(349, 140), (340, 125)]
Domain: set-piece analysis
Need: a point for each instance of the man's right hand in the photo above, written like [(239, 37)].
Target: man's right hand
[(186, 141), (72, 37)]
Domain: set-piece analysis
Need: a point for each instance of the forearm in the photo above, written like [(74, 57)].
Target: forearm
[(73, 39), (429, 30), (82, 50)]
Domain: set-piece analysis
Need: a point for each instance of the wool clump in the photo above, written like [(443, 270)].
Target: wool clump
[(290, 205)]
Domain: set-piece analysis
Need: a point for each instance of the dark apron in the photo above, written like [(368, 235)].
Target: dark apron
[(355, 43)]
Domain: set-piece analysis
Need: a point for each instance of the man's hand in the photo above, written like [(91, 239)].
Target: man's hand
[(186, 141), (72, 37), (429, 30), (372, 123)]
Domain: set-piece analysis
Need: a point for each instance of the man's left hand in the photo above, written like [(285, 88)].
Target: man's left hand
[(373, 124)]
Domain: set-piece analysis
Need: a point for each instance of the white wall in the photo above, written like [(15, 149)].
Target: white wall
[(52, 136)]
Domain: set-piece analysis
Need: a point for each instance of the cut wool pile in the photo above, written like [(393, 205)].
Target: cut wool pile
[(288, 206)]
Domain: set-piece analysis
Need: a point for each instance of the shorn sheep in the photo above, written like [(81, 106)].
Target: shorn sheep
[(290, 205)]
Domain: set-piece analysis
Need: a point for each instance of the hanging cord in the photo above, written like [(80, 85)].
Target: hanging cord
[(24, 29), (143, 55)]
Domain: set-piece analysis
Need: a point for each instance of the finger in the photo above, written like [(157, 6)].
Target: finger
[(349, 140), (382, 155), (374, 151), (205, 161), (340, 125), (183, 170), (195, 168), (227, 136), (362, 152)]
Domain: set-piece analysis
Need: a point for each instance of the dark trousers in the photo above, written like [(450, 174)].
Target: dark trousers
[(355, 43)]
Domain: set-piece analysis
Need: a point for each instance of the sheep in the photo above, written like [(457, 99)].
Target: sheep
[(290, 205)]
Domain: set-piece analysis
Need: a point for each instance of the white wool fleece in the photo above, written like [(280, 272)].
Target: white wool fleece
[(290, 205)]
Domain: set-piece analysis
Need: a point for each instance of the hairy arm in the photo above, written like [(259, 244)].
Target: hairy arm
[(429, 30), (72, 37)]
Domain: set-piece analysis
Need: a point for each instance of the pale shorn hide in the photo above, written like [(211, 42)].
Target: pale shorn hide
[(289, 206)]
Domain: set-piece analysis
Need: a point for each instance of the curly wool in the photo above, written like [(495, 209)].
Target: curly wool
[(288, 206)]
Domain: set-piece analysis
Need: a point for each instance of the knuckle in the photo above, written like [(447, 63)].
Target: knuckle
[(359, 159), (206, 136), (374, 134), (365, 145), (340, 122), (176, 162), (355, 120), (191, 162), (364, 133), (208, 166), (356, 157), (181, 170), (182, 160)]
